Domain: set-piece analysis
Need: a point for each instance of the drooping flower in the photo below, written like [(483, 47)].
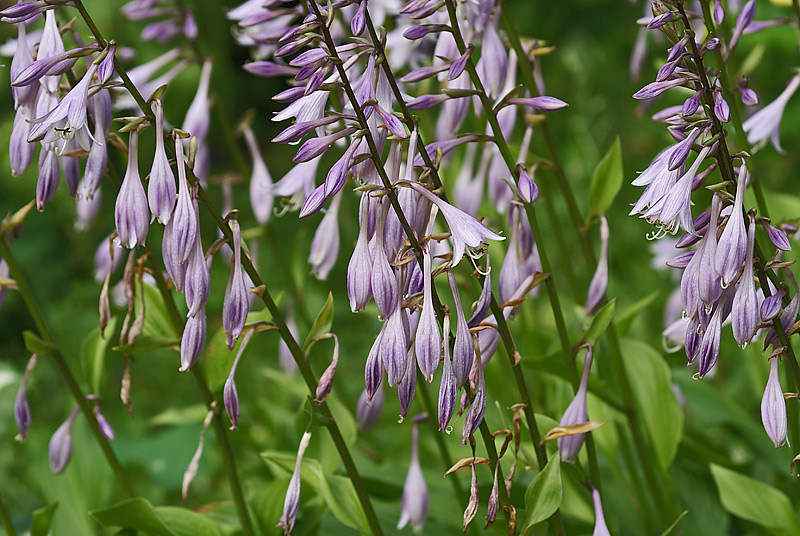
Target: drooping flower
[(597, 288), (415, 491), (731, 248), (230, 395), (745, 310), (368, 412), (325, 244), (447, 387), (359, 270), (600, 527), (576, 413), (236, 303), (193, 339), (766, 122), (197, 279), (22, 412), (184, 219), (427, 342), (60, 449), (465, 231), (463, 351), (161, 190), (291, 503), (131, 213), (261, 194), (773, 407)]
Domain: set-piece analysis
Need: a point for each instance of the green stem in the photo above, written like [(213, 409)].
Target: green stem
[(25, 292), (6, 519)]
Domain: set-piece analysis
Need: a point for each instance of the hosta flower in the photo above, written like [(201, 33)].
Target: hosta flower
[(236, 303), (773, 407), (359, 270), (597, 288), (731, 249), (161, 190), (60, 449), (766, 122), (427, 342), (447, 387), (184, 219), (745, 310), (131, 213), (22, 412), (291, 503), (576, 413), (415, 491), (465, 231), (261, 194), (463, 351), (600, 527), (325, 244)]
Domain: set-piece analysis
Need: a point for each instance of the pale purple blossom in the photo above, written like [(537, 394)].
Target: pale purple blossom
[(773, 407)]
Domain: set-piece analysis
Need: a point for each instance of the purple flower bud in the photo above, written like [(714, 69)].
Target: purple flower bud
[(230, 395), (771, 306), (732, 246), (184, 219), (447, 387), (463, 351), (236, 303), (427, 342), (654, 89), (24, 11), (320, 145), (719, 12), (291, 503), (773, 407), (23, 58), (474, 416), (61, 443), (49, 175), (189, 26), (420, 31), (161, 188), (543, 103), (326, 380), (20, 150), (394, 346), (458, 66), (193, 339), (527, 189), (359, 19), (426, 101), (131, 211), (682, 150), (384, 281), (197, 281), (408, 385), (713, 43), (198, 117), (744, 313), (368, 413), (270, 69), (415, 491), (777, 237), (493, 64), (325, 245), (102, 423), (484, 300), (721, 108), (709, 344), (660, 20), (261, 195), (744, 19), (72, 173), (22, 412), (175, 270), (600, 527), (359, 270), (691, 104), (105, 69), (597, 288), (576, 413), (749, 97)]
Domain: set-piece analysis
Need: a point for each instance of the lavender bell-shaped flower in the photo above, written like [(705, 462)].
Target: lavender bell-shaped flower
[(394, 345), (49, 175), (198, 119), (20, 150), (731, 250), (131, 212), (427, 342), (175, 270), (465, 231), (184, 219), (447, 387), (597, 288), (773, 407), (576, 413), (193, 339), (766, 122), (415, 491), (359, 270), (527, 189), (60, 449), (291, 503), (230, 396), (474, 416), (463, 351), (261, 194), (161, 190), (325, 245), (236, 303), (22, 412), (745, 310), (197, 279), (600, 527), (408, 385), (384, 281)]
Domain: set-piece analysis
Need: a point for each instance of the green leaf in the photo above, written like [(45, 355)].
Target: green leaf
[(157, 323), (146, 344), (133, 514), (337, 491), (94, 350), (606, 180), (543, 496), (755, 501), (655, 401), (219, 360), (600, 322), (185, 522), (42, 519), (322, 324), (35, 345)]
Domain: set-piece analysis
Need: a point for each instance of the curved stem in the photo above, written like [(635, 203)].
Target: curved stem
[(44, 333), (6, 520)]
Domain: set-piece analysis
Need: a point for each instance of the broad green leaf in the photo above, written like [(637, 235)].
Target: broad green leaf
[(93, 354), (626, 316), (655, 401), (185, 522), (219, 360), (600, 322), (606, 180), (322, 324), (157, 323), (337, 492), (146, 344), (42, 519), (134, 514), (755, 501), (35, 345), (543, 496)]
